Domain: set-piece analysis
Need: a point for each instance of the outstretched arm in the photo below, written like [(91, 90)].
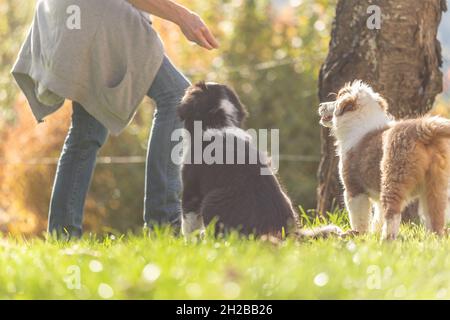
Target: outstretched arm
[(189, 22)]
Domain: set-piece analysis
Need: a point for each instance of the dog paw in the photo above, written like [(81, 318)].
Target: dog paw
[(320, 232), (388, 237), (191, 222)]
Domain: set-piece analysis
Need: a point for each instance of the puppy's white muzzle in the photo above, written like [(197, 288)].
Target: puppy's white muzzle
[(326, 111)]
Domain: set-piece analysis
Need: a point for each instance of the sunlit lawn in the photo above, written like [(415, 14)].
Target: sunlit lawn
[(164, 266)]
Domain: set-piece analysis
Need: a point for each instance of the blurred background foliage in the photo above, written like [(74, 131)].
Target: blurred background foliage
[(271, 52)]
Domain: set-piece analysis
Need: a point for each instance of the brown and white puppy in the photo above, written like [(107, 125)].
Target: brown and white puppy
[(237, 195), (388, 163)]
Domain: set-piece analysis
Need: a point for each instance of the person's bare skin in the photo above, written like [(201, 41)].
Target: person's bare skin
[(190, 23)]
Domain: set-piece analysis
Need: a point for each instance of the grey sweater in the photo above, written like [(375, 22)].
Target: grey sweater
[(107, 65)]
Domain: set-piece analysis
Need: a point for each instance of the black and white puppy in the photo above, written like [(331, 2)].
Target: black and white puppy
[(237, 195)]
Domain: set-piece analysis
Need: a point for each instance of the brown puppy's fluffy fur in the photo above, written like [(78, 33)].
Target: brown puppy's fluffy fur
[(388, 163)]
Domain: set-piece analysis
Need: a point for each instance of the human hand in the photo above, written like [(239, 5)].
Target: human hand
[(195, 30)]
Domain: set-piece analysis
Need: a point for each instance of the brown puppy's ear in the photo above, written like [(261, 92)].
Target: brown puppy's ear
[(383, 103), (345, 106)]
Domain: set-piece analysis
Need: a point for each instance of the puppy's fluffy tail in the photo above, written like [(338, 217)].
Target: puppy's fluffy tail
[(320, 232), (433, 127)]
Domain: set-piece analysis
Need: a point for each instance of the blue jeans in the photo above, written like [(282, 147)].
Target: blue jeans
[(86, 136)]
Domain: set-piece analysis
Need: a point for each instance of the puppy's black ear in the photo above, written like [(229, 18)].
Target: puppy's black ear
[(201, 85), (192, 97)]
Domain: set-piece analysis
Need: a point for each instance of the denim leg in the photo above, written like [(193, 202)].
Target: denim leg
[(163, 181), (74, 172)]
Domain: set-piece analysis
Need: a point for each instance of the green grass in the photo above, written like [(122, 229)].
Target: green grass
[(163, 266)]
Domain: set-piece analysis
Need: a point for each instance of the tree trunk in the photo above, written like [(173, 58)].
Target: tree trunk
[(400, 60)]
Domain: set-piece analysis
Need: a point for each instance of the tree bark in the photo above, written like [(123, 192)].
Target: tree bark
[(401, 60)]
